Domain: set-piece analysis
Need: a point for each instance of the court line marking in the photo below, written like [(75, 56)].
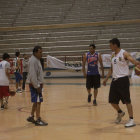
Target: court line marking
[(71, 84)]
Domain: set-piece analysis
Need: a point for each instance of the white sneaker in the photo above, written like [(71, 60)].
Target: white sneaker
[(130, 123), (119, 117)]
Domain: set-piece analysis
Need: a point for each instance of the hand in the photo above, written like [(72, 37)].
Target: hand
[(104, 82), (39, 90)]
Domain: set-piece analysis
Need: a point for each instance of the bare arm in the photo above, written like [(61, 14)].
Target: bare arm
[(107, 77), (127, 56), (101, 64), (83, 66)]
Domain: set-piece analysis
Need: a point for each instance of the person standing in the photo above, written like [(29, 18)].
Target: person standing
[(25, 70), (4, 80), (35, 78), (18, 76), (120, 85), (92, 76)]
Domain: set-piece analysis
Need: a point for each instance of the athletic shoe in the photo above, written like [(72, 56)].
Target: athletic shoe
[(119, 117), (130, 123), (18, 91), (39, 122), (31, 119), (89, 98), (2, 107), (94, 102)]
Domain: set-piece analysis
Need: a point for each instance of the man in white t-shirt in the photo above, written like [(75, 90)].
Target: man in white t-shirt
[(119, 89), (4, 80)]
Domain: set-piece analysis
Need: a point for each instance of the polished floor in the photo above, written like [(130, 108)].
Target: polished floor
[(69, 115)]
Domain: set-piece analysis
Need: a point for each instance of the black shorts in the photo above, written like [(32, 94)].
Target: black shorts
[(93, 81), (119, 90)]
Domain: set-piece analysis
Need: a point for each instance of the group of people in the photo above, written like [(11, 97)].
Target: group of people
[(33, 69), (120, 85), (119, 89), (5, 79)]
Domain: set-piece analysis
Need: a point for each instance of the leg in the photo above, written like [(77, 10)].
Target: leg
[(1, 100), (95, 96), (89, 86), (96, 84), (89, 95), (89, 91), (38, 110), (130, 110), (2, 105), (120, 113), (16, 85), (116, 107), (34, 108), (39, 121), (6, 102), (95, 93), (24, 79), (20, 83)]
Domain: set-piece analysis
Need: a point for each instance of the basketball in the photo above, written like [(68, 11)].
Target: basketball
[(137, 70), (12, 93)]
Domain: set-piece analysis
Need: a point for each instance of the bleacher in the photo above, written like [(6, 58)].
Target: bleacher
[(72, 41)]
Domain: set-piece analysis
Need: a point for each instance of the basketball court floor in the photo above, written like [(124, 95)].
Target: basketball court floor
[(69, 115)]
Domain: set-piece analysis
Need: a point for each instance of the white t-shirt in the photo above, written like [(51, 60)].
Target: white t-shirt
[(4, 81), (120, 65)]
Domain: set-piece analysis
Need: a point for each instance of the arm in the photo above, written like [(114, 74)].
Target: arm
[(33, 72), (127, 56), (33, 75), (107, 77), (83, 66), (101, 64)]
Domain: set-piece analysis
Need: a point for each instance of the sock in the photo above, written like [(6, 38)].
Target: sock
[(131, 118), (120, 111)]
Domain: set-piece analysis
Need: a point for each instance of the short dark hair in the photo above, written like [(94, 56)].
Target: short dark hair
[(17, 54), (92, 45), (115, 41), (5, 56), (36, 48)]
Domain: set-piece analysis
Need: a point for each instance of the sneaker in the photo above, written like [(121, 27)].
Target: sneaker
[(31, 119), (39, 122), (18, 91), (2, 107), (130, 123), (89, 98), (94, 102), (119, 117)]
